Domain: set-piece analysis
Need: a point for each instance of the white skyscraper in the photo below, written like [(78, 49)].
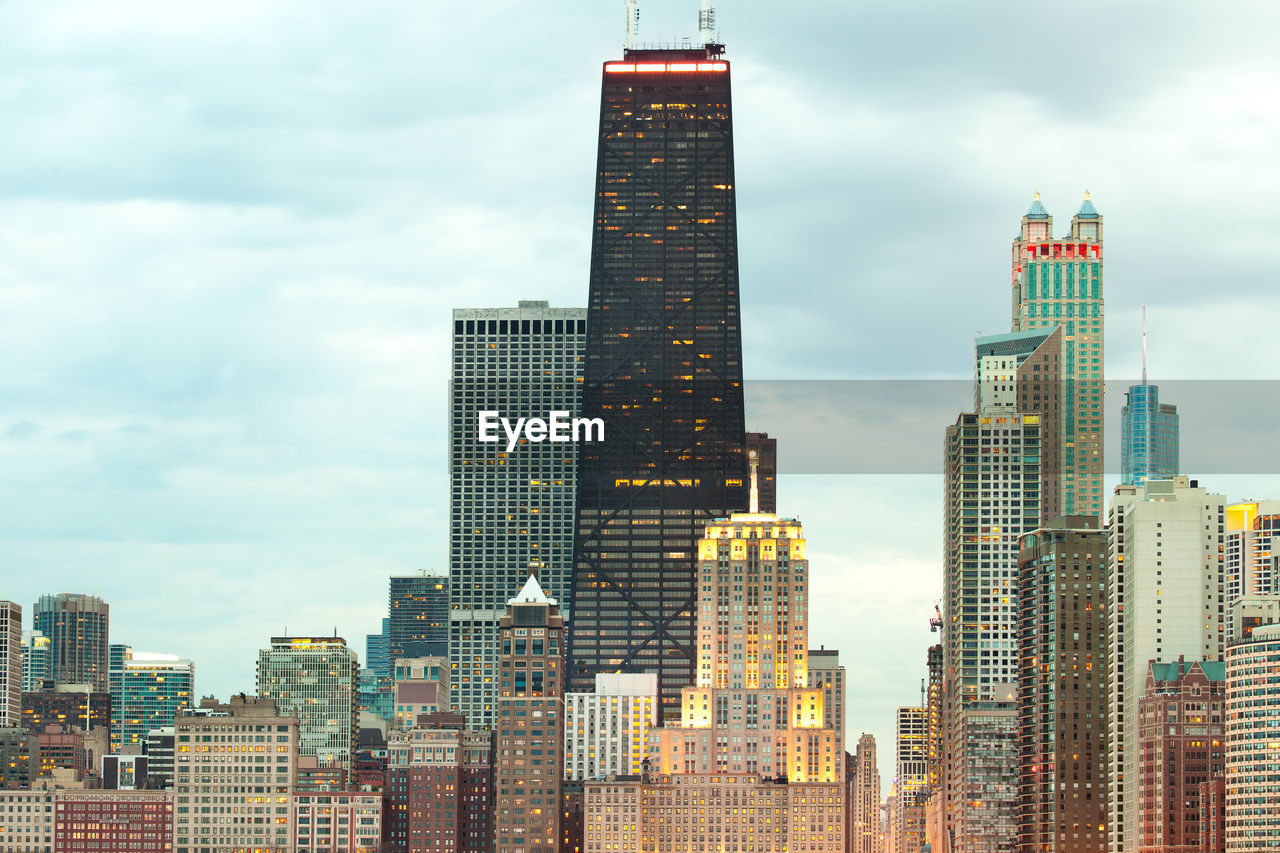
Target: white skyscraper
[(10, 664), (1166, 594), (605, 731), (316, 678), (511, 510), (1253, 549)]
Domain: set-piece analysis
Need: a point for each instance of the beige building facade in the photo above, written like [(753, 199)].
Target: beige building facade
[(712, 813), (235, 769)]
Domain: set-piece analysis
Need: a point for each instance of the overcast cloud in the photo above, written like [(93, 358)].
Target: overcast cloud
[(231, 235)]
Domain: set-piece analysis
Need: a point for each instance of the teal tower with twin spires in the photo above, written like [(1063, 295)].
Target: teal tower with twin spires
[(1057, 281)]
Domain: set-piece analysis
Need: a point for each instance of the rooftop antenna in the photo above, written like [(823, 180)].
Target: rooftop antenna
[(633, 22), (1144, 345), (755, 482), (707, 23)]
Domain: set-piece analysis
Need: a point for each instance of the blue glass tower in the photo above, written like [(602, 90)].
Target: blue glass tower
[(1148, 430)]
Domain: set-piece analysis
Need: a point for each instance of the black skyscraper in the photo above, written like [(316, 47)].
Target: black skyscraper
[(663, 365)]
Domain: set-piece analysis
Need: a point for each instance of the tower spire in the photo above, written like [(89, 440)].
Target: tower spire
[(1144, 344), (633, 22), (754, 462)]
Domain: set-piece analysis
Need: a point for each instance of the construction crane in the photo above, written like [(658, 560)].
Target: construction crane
[(935, 624)]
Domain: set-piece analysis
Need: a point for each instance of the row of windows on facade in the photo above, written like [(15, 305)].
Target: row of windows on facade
[(519, 327)]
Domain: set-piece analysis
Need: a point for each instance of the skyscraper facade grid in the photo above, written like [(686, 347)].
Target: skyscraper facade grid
[(511, 511), (316, 678)]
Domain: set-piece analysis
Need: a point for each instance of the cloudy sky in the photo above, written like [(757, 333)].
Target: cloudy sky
[(231, 235)]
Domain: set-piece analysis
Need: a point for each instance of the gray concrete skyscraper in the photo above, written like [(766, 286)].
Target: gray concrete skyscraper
[(511, 509)]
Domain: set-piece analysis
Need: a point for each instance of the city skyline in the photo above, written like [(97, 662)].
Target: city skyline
[(253, 423)]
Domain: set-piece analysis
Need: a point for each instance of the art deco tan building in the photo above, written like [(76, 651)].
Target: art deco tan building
[(864, 800), (752, 709), (753, 764)]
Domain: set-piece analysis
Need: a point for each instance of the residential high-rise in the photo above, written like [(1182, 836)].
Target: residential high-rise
[(440, 787), (530, 753), (1252, 720), (316, 678), (1179, 747), (1058, 282), (663, 366), (10, 664), (606, 731), (864, 800), (911, 779), (511, 508), (987, 779), (147, 691), (998, 481), (827, 675), (249, 802), (1165, 599), (76, 626), (1253, 549), (37, 663), (418, 616), (1062, 676)]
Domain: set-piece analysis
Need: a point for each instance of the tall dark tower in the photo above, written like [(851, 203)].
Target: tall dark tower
[(663, 364)]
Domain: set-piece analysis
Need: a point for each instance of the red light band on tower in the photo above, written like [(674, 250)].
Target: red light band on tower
[(662, 67)]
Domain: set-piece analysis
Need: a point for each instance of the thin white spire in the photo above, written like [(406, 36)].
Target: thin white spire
[(754, 463), (1144, 344)]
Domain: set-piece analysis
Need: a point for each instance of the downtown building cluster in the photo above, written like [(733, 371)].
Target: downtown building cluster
[(1088, 690), (618, 659), (624, 618)]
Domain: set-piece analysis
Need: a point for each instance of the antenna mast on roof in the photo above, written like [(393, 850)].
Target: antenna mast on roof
[(707, 23), (1144, 345), (633, 22)]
